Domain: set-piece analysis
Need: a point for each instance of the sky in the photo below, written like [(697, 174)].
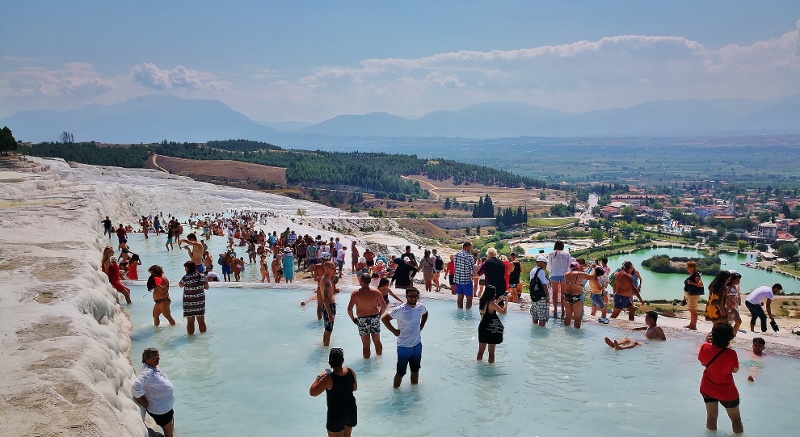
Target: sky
[(312, 60)]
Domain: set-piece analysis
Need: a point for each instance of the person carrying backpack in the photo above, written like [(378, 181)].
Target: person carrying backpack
[(438, 266), (540, 294)]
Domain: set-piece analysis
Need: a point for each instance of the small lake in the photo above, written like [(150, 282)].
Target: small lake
[(670, 285)]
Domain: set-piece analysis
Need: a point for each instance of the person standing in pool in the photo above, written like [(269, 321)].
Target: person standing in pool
[(464, 266), (558, 265), (159, 285), (195, 250), (288, 265), (155, 392), (327, 301), (717, 385), (411, 317), (490, 328), (338, 383), (540, 293), (194, 297), (623, 292), (369, 306)]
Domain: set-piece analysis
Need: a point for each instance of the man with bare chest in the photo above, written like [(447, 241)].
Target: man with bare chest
[(369, 305), (195, 249), (327, 301)]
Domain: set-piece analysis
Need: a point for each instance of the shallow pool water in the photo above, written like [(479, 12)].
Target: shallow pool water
[(249, 375)]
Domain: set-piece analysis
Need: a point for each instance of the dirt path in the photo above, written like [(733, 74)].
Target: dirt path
[(432, 188), (155, 164)]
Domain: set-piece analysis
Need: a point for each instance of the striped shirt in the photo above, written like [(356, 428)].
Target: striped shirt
[(194, 296), (465, 267)]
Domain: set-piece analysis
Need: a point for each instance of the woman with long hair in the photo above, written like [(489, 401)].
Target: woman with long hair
[(108, 252), (716, 310), (558, 265), (428, 267), (490, 328), (573, 294)]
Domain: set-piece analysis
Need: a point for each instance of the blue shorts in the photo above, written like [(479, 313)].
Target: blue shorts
[(597, 300), (556, 278), (226, 269), (465, 289), (409, 355), (340, 263), (201, 268), (622, 302)]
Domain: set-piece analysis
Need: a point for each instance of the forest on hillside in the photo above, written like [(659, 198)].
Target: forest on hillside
[(375, 172)]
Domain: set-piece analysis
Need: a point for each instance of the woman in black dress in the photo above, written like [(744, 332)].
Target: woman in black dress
[(490, 329)]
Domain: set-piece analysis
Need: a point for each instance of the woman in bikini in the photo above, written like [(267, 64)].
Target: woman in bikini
[(264, 267), (573, 294), (159, 285)]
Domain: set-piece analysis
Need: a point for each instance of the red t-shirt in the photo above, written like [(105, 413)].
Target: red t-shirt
[(451, 268), (717, 379)]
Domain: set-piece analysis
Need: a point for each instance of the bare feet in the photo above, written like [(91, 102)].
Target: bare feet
[(611, 343), (693, 328)]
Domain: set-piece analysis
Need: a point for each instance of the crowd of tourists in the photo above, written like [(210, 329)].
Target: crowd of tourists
[(557, 282)]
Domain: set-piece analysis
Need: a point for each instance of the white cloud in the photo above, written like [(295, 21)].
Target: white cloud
[(179, 77), (613, 71), (75, 80)]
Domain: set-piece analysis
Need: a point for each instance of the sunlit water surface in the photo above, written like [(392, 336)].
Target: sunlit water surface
[(249, 374)]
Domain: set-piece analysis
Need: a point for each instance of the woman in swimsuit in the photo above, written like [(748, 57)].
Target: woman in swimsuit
[(133, 264), (573, 294), (159, 285), (264, 268)]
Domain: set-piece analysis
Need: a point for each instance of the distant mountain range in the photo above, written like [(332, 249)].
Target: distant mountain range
[(155, 118), (145, 119)]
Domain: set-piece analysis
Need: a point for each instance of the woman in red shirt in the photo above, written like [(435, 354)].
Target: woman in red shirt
[(717, 385)]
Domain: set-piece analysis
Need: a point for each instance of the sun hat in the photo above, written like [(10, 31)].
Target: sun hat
[(541, 259)]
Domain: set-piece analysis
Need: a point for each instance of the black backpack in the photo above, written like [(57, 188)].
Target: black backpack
[(536, 289), (439, 264)]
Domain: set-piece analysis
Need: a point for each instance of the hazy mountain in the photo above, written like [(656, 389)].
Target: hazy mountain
[(374, 123), (144, 119), (155, 118), (514, 119), (286, 126)]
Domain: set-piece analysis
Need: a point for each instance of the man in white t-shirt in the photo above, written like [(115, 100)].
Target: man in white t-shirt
[(754, 301), (411, 317)]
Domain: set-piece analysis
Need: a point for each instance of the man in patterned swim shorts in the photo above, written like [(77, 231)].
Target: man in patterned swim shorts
[(369, 305)]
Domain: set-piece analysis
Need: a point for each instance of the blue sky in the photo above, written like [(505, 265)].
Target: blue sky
[(309, 61)]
